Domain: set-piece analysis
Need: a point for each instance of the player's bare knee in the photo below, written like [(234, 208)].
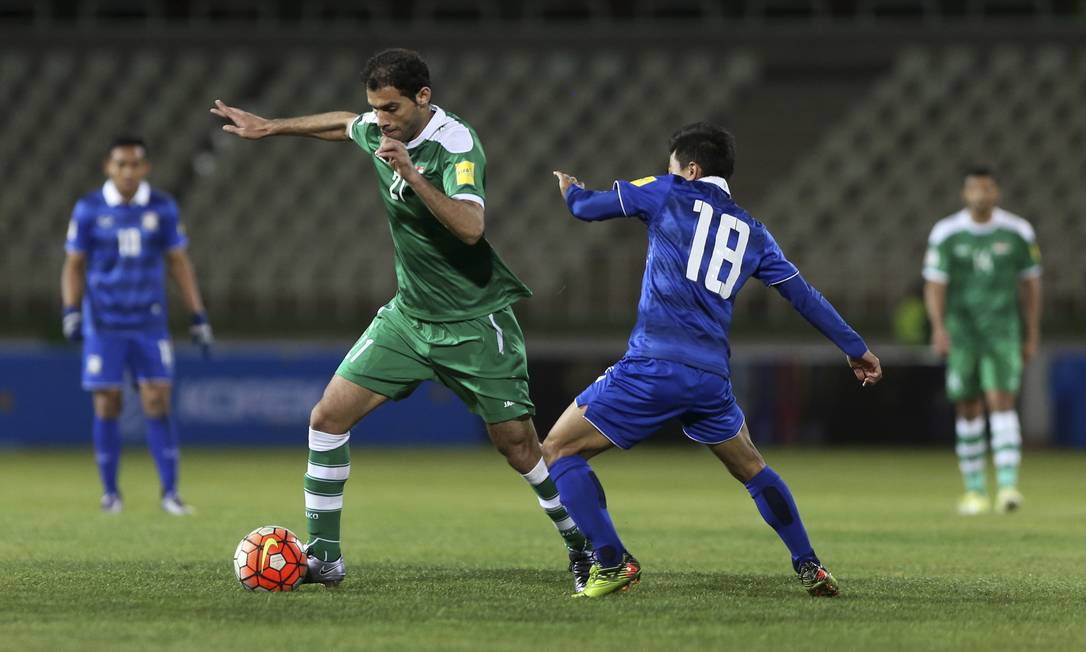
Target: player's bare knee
[(107, 404), (156, 402), (325, 419)]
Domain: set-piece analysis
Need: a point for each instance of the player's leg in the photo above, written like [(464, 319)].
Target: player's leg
[(103, 373), (151, 361), (518, 441), (964, 390), (569, 445), (1001, 377), (777, 507), (107, 445), (382, 364), (483, 362)]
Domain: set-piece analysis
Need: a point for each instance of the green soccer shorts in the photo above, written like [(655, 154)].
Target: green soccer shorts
[(975, 367), (481, 360)]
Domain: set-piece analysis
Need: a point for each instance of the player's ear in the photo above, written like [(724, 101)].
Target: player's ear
[(422, 98)]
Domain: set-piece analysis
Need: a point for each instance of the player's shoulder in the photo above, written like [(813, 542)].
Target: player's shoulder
[(1016, 223), (454, 134), (162, 199), (948, 226), (89, 202)]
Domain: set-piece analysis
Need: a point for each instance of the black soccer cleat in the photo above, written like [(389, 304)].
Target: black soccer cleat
[(580, 564), (817, 580)]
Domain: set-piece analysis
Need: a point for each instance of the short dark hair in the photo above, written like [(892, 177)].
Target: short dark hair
[(707, 145), (401, 69), (127, 141), (980, 170)]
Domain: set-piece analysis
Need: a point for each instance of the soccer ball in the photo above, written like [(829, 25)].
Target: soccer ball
[(270, 558)]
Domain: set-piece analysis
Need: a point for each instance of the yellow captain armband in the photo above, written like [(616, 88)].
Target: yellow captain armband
[(643, 181)]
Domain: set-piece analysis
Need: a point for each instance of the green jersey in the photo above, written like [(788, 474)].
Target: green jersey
[(982, 265), (439, 277)]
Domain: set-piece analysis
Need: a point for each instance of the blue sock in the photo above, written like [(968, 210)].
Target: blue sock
[(162, 441), (777, 507), (582, 495), (107, 451)]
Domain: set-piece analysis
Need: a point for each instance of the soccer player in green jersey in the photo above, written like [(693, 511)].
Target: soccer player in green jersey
[(983, 295), (451, 318)]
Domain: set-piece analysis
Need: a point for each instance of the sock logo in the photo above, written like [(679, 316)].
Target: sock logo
[(312, 515), (268, 543)]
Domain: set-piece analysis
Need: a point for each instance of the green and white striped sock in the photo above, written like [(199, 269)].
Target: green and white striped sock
[(1006, 447), (541, 483), (329, 466), (971, 451)]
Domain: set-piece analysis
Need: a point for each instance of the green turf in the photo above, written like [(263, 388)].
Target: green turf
[(448, 550)]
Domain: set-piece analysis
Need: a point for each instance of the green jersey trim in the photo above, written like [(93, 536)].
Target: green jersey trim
[(962, 222)]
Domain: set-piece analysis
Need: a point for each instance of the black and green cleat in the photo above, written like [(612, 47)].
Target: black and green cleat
[(817, 580), (603, 581)]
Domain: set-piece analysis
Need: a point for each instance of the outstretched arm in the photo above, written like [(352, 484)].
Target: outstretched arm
[(588, 205), (810, 303), (326, 126)]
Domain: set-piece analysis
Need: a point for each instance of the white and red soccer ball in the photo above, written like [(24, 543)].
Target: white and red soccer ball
[(270, 558)]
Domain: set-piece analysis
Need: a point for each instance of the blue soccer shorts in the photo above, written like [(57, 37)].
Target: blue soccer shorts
[(635, 397), (106, 356)]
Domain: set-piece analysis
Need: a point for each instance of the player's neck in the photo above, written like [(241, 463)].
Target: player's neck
[(422, 126), (981, 217)]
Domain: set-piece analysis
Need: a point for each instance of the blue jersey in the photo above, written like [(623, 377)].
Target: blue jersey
[(125, 244), (703, 248)]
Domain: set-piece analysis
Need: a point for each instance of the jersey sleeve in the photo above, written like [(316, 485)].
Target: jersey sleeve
[(1028, 258), (358, 131), (173, 232), (937, 261), (644, 197), (463, 172), (79, 229), (773, 268)]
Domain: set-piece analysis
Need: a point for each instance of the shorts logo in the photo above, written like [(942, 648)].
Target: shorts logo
[(150, 221), (643, 181), (508, 404), (94, 364), (465, 173)]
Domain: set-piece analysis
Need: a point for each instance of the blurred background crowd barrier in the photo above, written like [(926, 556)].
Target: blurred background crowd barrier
[(854, 121)]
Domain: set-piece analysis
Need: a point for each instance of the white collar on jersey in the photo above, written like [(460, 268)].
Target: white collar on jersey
[(113, 196), (719, 182), (437, 120)]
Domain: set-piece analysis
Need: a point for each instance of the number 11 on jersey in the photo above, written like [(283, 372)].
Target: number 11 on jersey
[(721, 251)]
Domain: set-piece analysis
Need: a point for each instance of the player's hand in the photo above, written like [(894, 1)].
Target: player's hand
[(940, 342), (1030, 347), (201, 333), (72, 324), (566, 181), (867, 369), (395, 153), (245, 124)]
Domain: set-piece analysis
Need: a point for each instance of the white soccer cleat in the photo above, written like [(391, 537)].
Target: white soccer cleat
[(172, 504), (973, 503), (1008, 499), (111, 504)]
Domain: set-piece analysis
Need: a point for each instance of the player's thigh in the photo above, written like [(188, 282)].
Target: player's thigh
[(155, 397), (572, 434), (150, 359), (1001, 367), (634, 398), (714, 416), (483, 361), (963, 372), (739, 455), (388, 358), (104, 361)]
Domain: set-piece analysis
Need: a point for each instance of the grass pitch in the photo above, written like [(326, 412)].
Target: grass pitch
[(448, 550)]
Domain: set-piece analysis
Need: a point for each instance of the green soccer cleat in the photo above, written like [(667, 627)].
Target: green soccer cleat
[(1008, 500), (973, 503), (817, 580), (602, 581)]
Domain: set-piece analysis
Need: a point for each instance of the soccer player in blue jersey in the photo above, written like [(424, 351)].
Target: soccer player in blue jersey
[(702, 248), (114, 295)]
